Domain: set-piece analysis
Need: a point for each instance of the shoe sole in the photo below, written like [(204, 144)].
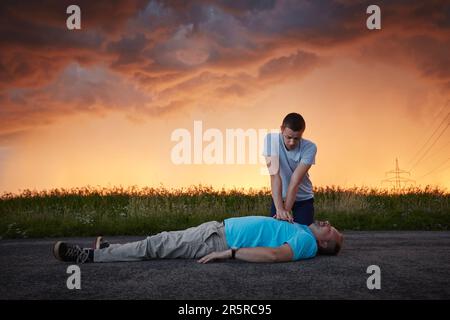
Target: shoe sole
[(56, 250)]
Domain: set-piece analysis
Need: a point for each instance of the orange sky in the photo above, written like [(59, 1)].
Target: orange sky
[(98, 106)]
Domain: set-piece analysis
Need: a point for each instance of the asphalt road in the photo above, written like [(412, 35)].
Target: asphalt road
[(414, 265)]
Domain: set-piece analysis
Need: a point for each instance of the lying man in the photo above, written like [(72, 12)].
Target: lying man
[(252, 239)]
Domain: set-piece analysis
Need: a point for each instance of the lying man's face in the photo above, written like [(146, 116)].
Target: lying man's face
[(325, 230), (328, 237)]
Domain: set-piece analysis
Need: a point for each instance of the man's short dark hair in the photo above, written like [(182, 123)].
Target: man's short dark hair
[(294, 121), (332, 249)]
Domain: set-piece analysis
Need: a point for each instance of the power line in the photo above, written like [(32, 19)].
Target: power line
[(436, 168), (443, 147), (434, 132), (431, 126), (429, 138), (431, 146), (439, 113)]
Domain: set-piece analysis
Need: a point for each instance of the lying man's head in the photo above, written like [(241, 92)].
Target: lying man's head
[(329, 239)]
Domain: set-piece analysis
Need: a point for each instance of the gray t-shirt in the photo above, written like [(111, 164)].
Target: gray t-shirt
[(305, 153)]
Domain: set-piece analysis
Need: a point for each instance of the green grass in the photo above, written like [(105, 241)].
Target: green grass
[(132, 211)]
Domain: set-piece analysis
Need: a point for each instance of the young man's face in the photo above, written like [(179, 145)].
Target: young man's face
[(291, 138)]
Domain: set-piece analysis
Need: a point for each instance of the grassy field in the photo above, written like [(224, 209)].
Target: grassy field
[(133, 211)]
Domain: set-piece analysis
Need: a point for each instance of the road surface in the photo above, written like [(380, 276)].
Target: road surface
[(413, 265)]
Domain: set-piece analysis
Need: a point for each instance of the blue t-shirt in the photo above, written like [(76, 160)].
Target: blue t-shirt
[(260, 231), (305, 153)]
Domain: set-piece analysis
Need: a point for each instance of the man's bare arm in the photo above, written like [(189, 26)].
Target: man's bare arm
[(262, 254), (296, 179), (258, 254), (276, 186)]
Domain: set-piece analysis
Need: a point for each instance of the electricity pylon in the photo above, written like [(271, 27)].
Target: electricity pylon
[(397, 179)]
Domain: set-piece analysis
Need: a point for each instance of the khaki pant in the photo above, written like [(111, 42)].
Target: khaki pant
[(191, 243)]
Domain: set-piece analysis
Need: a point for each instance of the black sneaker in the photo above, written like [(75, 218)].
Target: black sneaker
[(100, 243), (68, 252)]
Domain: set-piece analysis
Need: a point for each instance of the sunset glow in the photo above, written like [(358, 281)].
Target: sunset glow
[(97, 106)]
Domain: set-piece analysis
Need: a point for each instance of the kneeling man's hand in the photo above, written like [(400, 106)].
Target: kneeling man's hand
[(284, 215), (216, 255)]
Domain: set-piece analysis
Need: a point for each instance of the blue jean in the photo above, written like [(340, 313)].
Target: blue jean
[(303, 211)]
